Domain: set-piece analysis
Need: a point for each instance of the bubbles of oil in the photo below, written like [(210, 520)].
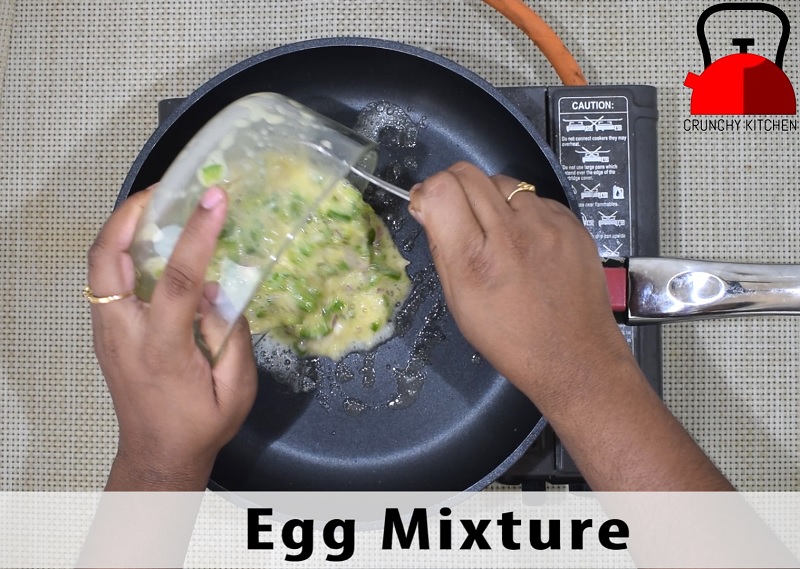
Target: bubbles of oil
[(353, 406), (299, 375), (324, 399), (411, 378), (344, 373), (408, 245), (394, 173), (376, 197), (368, 370), (423, 284), (329, 386), (408, 387), (385, 122), (396, 133)]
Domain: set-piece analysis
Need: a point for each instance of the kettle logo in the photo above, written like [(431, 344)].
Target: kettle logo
[(742, 83)]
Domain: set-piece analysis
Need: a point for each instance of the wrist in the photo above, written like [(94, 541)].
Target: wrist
[(145, 472), (568, 385)]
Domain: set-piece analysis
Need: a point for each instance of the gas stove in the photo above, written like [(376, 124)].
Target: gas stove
[(606, 140)]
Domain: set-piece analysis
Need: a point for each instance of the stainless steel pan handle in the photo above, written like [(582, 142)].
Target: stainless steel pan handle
[(667, 290)]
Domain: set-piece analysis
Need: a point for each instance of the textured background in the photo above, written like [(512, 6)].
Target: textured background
[(79, 84)]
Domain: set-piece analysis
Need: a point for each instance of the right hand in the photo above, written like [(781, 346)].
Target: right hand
[(526, 286), (523, 279)]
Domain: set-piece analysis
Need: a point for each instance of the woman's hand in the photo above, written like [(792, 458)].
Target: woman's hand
[(522, 278), (175, 411), (524, 281)]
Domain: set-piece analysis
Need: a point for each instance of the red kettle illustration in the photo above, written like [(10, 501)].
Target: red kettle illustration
[(742, 83)]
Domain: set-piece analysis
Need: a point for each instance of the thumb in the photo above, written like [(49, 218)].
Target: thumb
[(441, 206)]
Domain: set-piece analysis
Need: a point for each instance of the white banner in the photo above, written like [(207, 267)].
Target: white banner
[(398, 530)]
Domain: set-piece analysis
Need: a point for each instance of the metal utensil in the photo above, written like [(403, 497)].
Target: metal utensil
[(374, 180)]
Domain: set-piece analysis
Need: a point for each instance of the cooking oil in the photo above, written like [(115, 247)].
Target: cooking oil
[(396, 134)]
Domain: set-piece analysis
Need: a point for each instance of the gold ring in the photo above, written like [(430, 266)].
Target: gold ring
[(89, 295), (522, 187)]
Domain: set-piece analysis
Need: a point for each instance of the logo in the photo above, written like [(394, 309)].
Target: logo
[(742, 83)]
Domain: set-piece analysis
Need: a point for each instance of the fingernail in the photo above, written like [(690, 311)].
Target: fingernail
[(212, 198), (415, 187)]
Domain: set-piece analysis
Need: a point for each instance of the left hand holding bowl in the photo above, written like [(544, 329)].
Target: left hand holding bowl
[(175, 410)]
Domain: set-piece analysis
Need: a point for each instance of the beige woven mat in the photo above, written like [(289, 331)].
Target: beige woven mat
[(79, 93)]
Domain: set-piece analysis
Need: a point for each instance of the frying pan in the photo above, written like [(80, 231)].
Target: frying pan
[(422, 411)]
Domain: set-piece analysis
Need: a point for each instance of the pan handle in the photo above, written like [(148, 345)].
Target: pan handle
[(668, 290)]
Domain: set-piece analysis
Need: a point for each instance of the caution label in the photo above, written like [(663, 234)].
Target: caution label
[(594, 150)]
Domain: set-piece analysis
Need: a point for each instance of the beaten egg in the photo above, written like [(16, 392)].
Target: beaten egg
[(340, 278)]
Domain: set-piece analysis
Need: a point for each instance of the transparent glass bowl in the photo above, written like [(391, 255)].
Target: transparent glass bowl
[(261, 148)]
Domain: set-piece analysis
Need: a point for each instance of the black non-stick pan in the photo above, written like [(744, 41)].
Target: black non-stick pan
[(422, 411)]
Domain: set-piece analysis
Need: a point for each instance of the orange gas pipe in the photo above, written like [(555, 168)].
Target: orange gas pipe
[(545, 39)]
